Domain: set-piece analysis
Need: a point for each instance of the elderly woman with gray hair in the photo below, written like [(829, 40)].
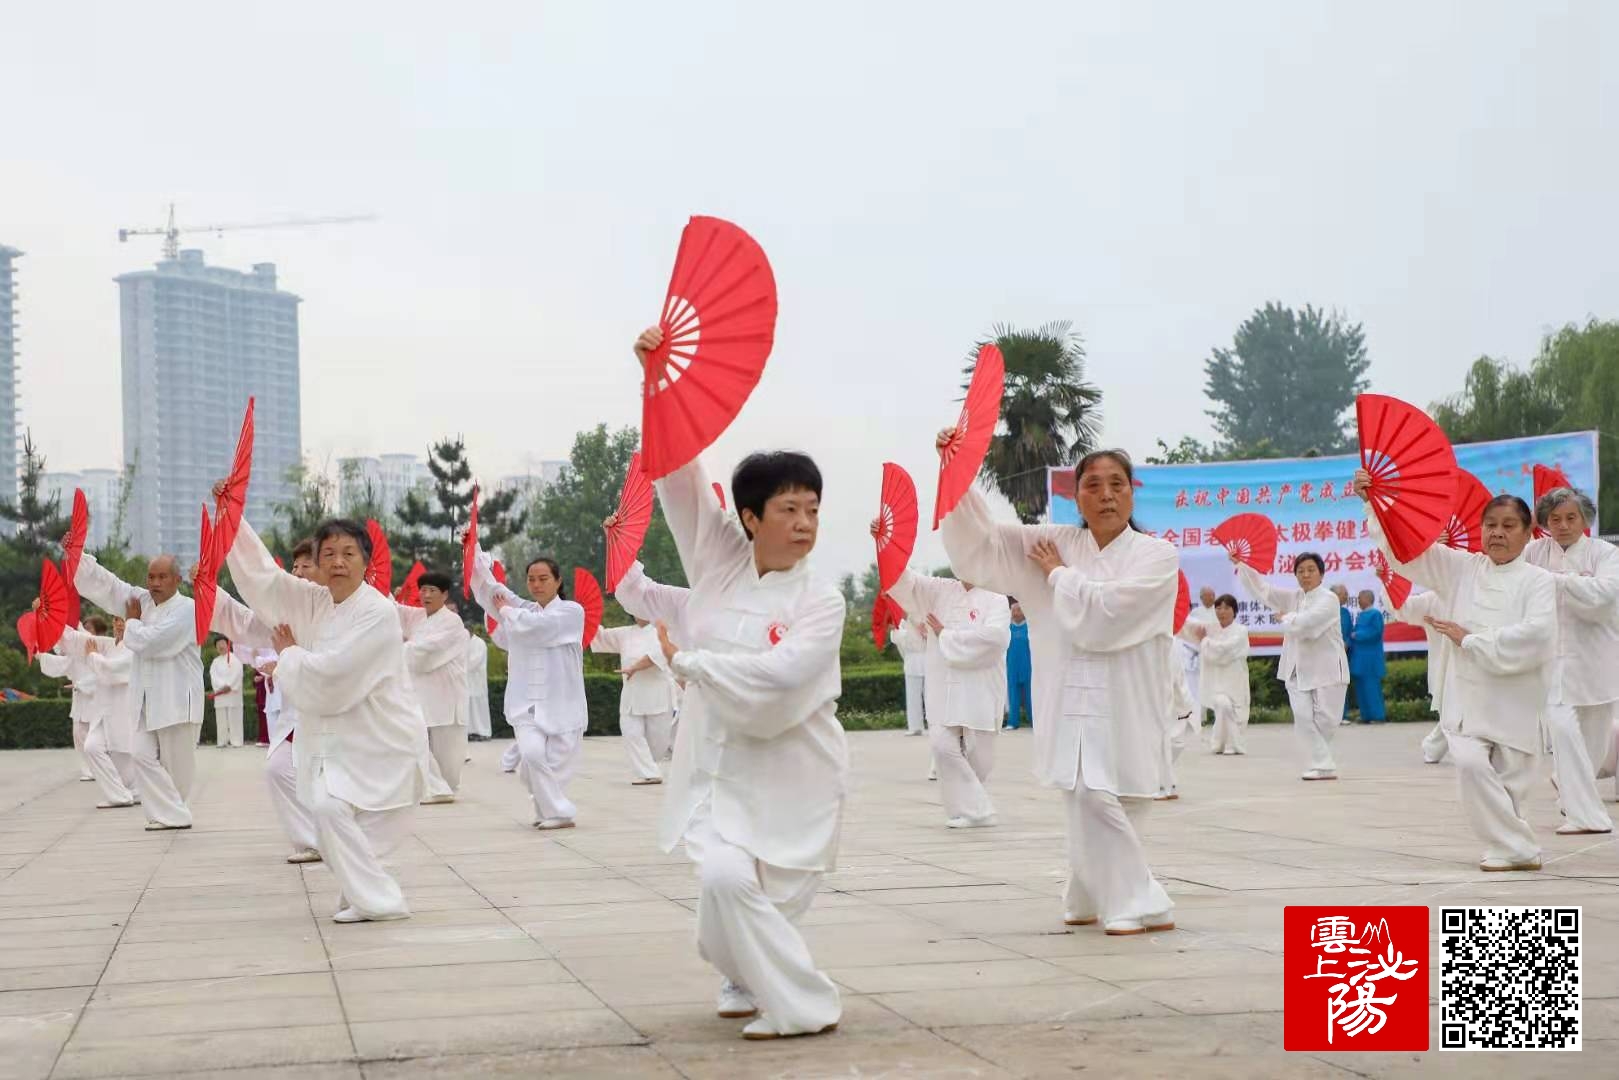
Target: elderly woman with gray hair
[(1584, 677)]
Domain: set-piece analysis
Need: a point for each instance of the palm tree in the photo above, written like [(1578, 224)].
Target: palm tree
[(1050, 414)]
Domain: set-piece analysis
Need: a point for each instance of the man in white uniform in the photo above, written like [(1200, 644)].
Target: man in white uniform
[(646, 704), (165, 684), (225, 676), (436, 655)]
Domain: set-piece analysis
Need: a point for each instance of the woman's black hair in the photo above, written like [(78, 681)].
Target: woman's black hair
[(96, 625), (343, 527), (438, 580), (1228, 600), (556, 572), (762, 476), (1310, 556), (1517, 504), (1121, 458)]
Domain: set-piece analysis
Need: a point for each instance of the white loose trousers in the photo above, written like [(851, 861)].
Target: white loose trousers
[(165, 762), (1316, 716), (1228, 730), (352, 844), (448, 745), (281, 776), (1108, 876), (915, 711), (227, 724), (964, 758), (1581, 738), (647, 740), (105, 768), (547, 765), (1494, 780)]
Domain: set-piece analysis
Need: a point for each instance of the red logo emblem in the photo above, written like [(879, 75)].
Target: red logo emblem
[(1355, 978), (972, 616), (778, 630)]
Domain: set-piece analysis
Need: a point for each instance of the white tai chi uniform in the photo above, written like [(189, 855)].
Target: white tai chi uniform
[(966, 686), (94, 696), (758, 780), (1313, 666), (361, 740), (545, 688), (1495, 684), (1418, 608), (436, 656), (1584, 676), (225, 679), (1179, 725), (113, 730), (646, 703), (1189, 651), (478, 722), (62, 663), (911, 639), (165, 688), (1099, 632), (1224, 685)]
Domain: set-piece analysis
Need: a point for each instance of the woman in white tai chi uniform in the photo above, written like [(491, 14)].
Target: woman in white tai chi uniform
[(646, 703), (103, 700), (911, 640), (478, 723), (968, 630), (436, 656), (1313, 666), (1416, 611), (1100, 601), (1584, 676), (545, 680), (225, 677), (1500, 634), (67, 660), (1223, 650), (361, 741)]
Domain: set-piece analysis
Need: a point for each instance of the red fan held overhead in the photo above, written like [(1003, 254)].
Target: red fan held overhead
[(469, 545), (1549, 478), (719, 493), (28, 633), (1413, 471), (630, 521), (205, 585), (72, 547), (379, 572), (1252, 537), (1398, 588), (410, 593), (51, 617), (233, 499), (1465, 529), (498, 569), (963, 455), (896, 518), (718, 323), (587, 593), (1183, 601)]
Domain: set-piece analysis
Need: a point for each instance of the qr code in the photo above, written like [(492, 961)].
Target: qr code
[(1509, 978)]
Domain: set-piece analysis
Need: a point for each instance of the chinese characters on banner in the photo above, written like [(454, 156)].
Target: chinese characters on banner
[(1355, 978), (1312, 503)]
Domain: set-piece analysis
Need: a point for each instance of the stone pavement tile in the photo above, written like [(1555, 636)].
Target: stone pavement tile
[(831, 951), (357, 952), (60, 939), (991, 893), (1191, 962), (204, 992), (436, 1003), (323, 902), (143, 929), (34, 1024), (52, 976), (605, 890), (286, 959), (1209, 995), (631, 989), (841, 1053), (166, 1055), (103, 1022), (630, 943), (12, 929), (454, 978), (330, 1070), (589, 920), (586, 1063), (891, 978), (1075, 999), (492, 1033)]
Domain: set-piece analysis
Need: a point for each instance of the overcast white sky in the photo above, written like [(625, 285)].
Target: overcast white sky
[(1443, 172)]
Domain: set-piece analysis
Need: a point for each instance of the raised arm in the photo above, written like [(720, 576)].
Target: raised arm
[(1440, 568), (982, 642), (54, 665), (919, 594), (1280, 601), (653, 601), (345, 670), (435, 642), (987, 553), (114, 667), (274, 595), (562, 623), (1521, 646), (1106, 616), (766, 693), (1416, 608), (410, 618), (706, 536), (237, 622), (612, 639), (485, 588), (1593, 599), (102, 588)]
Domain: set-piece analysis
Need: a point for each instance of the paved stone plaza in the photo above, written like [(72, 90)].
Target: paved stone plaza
[(124, 953)]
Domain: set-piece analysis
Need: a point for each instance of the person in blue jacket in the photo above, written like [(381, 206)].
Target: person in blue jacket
[(1019, 671), (1366, 664), (1346, 627)]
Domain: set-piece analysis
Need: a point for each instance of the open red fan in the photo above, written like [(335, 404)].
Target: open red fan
[(410, 593), (1549, 478), (963, 455), (77, 530), (631, 518), (1413, 471), (51, 617), (379, 572), (896, 535), (499, 572), (1183, 601), (719, 323), (205, 585), (885, 614), (719, 493), (469, 545), (1252, 537), (28, 633), (1465, 529), (587, 593), (233, 499), (1398, 588)]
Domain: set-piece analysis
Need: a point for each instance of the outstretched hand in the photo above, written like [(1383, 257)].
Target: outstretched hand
[(281, 638), (934, 624), (132, 608), (1045, 555), (1454, 631), (669, 648)]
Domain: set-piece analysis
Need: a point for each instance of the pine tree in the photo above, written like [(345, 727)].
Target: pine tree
[(38, 521)]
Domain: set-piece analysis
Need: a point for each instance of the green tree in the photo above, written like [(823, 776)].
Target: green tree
[(1497, 401), (1050, 413), (1188, 451), (297, 518), (431, 527), (566, 523), (1289, 378), (38, 522)]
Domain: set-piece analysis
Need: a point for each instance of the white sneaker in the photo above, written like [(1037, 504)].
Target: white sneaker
[(438, 800), (1069, 918), (764, 1029), (1319, 774), (158, 826), (87, 779), (933, 774), (1497, 865), (734, 1002), (307, 855), (349, 915), (1571, 829), (970, 823), (554, 823), (111, 805)]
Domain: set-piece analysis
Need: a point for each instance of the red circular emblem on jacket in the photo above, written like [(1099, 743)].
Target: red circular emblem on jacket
[(776, 631)]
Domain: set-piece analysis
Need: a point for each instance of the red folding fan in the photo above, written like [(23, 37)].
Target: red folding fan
[(469, 545), (498, 569), (78, 528), (410, 593), (630, 523), (719, 493), (1398, 588), (1183, 600), (587, 593), (205, 585), (896, 535), (1413, 471), (719, 323), (885, 614), (1252, 537), (233, 499), (51, 617), (379, 572), (963, 455), (1549, 478), (1465, 529), (28, 633)]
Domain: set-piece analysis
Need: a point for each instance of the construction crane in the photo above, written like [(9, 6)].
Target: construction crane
[(171, 232)]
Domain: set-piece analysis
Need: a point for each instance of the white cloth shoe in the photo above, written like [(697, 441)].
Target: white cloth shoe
[(734, 1002), (970, 823), (1499, 865), (437, 800), (1319, 774), (349, 915), (307, 855), (762, 1028), (554, 823), (112, 805), (1146, 925), (158, 826)]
